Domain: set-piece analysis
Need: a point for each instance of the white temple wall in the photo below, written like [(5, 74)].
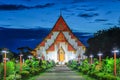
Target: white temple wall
[(69, 55), (53, 55)]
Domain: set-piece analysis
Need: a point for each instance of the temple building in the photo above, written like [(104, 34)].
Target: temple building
[(60, 45)]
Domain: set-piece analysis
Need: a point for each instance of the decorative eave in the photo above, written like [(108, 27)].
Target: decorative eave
[(77, 40), (49, 36), (84, 48), (71, 48), (60, 25), (33, 53), (72, 36), (79, 43), (51, 48), (60, 38), (42, 43)]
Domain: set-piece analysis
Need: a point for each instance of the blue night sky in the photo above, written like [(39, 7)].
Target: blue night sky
[(27, 22)]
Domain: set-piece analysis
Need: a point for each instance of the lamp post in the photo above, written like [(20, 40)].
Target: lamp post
[(91, 56), (38, 58), (115, 50), (100, 56), (79, 58), (5, 58), (21, 62), (29, 57)]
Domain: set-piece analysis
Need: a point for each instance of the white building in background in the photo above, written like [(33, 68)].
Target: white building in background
[(60, 45)]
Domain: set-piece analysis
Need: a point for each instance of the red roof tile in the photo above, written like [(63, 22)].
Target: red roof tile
[(51, 48), (42, 43), (79, 43), (60, 38), (60, 25), (72, 36), (49, 36), (70, 47)]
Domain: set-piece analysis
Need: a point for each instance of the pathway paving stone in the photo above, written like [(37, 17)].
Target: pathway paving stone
[(60, 73)]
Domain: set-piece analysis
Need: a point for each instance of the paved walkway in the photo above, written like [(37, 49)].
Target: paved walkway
[(60, 73)]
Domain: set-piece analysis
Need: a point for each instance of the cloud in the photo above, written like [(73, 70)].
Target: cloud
[(83, 37), (78, 1), (108, 24), (6, 25), (88, 15), (13, 38), (84, 5), (44, 6), (27, 0), (13, 7), (100, 20), (22, 7), (91, 9), (88, 9), (65, 9), (7, 33), (108, 12)]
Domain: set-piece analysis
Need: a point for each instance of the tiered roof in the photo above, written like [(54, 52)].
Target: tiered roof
[(60, 27), (42, 43), (51, 48), (60, 38), (49, 36), (70, 47)]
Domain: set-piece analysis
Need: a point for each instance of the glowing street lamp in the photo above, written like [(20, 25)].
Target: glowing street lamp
[(39, 58), (5, 58), (21, 62), (100, 56), (91, 56), (115, 50), (29, 57)]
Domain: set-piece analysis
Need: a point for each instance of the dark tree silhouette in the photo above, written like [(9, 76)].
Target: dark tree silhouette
[(10, 54), (104, 40), (25, 51)]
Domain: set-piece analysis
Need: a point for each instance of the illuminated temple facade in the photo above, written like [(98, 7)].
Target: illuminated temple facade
[(60, 45)]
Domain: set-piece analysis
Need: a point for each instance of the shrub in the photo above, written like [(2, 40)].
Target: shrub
[(25, 74), (10, 68), (107, 66), (109, 77), (84, 67), (73, 64), (14, 77), (118, 67), (1, 71), (44, 65), (50, 64), (25, 67), (35, 64), (34, 71)]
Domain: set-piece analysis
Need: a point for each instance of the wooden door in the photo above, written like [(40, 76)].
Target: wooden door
[(61, 55)]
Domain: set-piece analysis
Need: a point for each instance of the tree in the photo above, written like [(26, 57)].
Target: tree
[(104, 40), (25, 51), (10, 54)]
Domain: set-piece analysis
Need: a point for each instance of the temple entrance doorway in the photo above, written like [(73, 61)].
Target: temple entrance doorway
[(61, 55)]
